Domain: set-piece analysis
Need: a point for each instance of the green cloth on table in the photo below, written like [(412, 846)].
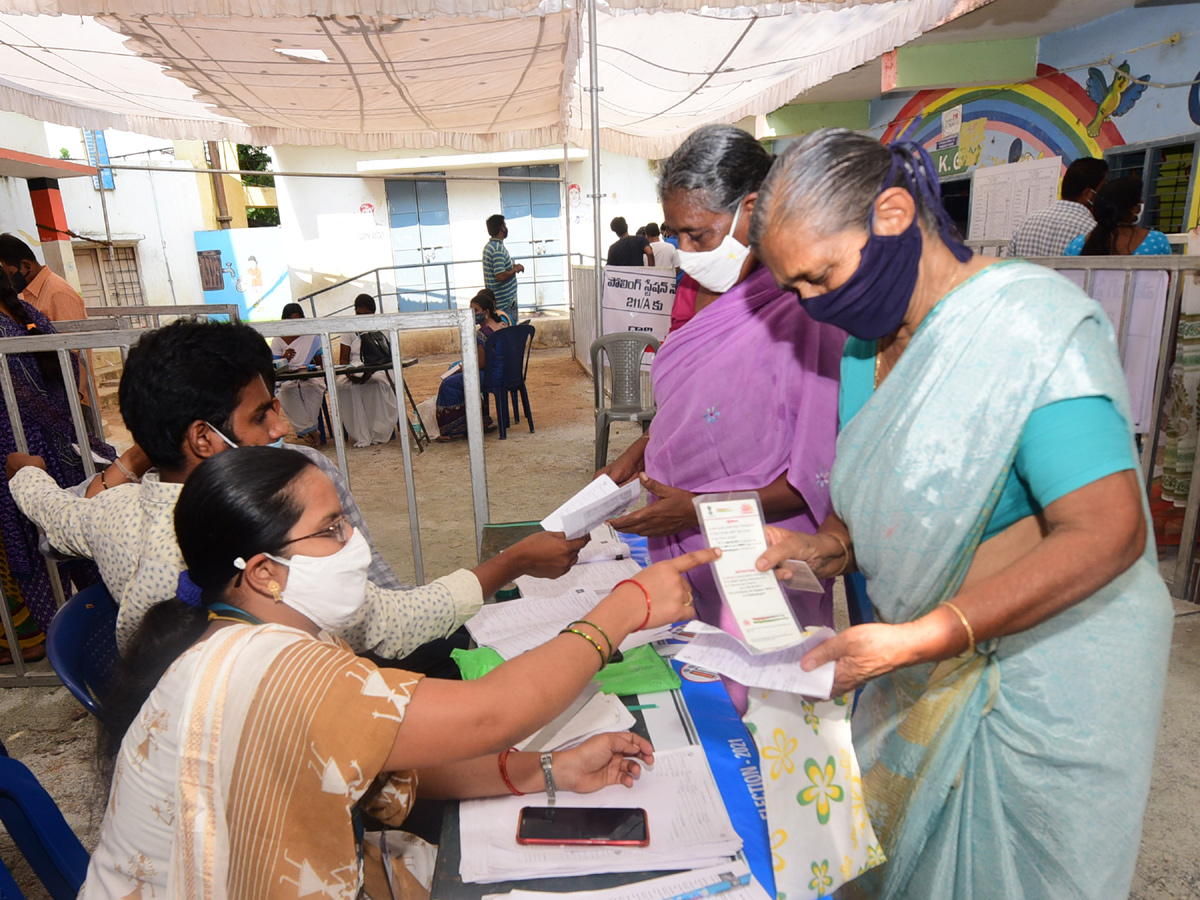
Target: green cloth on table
[(642, 671)]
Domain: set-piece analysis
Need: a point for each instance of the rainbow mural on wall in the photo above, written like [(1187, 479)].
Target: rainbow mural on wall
[(1048, 116)]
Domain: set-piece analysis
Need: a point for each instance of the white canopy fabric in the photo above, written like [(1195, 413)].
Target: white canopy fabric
[(474, 75)]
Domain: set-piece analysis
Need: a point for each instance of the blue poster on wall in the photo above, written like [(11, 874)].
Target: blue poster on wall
[(247, 267)]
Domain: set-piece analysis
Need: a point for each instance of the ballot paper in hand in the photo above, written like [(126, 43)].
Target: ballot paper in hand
[(717, 651), (595, 576), (734, 523), (604, 544), (594, 505)]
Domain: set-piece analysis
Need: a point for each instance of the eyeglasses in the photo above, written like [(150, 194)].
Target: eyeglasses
[(339, 531)]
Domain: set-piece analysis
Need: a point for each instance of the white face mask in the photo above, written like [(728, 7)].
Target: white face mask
[(718, 269), (277, 444), (329, 589)]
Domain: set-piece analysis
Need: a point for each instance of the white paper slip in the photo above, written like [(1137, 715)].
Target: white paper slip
[(597, 576), (728, 881), (734, 523), (803, 578), (599, 501), (604, 544), (717, 651)]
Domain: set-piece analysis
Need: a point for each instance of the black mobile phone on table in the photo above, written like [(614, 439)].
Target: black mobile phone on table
[(573, 825)]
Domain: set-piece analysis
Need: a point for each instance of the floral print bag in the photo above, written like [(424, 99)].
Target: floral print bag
[(821, 836)]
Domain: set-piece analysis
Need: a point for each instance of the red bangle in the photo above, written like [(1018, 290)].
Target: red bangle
[(641, 587), (503, 760)]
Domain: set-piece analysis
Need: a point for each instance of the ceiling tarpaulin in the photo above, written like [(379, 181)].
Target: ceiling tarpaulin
[(475, 75)]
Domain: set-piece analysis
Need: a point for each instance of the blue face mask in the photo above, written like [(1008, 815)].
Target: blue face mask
[(872, 302), (480, 318)]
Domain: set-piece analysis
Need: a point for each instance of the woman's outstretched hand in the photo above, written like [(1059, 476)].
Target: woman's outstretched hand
[(605, 759), (863, 652), (670, 593)]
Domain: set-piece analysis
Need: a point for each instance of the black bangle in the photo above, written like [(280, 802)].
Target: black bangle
[(103, 482)]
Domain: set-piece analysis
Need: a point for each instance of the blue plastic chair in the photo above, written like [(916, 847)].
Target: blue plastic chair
[(8, 887), (507, 363), (40, 833), (82, 644)]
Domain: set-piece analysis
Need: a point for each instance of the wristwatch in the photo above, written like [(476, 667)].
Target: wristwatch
[(548, 774)]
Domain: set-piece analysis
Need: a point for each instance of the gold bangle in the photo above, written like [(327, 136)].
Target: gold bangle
[(591, 640), (967, 625), (845, 554)]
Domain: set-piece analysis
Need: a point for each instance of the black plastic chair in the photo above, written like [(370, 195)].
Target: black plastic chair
[(40, 832), (507, 363), (82, 644)]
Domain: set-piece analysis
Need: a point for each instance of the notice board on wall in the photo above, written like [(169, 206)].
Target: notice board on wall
[(1002, 197)]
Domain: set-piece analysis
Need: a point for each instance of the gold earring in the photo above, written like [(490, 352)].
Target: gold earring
[(273, 587)]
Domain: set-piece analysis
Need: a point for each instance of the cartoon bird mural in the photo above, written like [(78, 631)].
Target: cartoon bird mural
[(1114, 99)]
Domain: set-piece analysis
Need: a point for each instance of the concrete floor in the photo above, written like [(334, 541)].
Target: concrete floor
[(529, 474)]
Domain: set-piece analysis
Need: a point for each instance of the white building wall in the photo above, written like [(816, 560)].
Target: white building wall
[(332, 235), (24, 135), (159, 211)]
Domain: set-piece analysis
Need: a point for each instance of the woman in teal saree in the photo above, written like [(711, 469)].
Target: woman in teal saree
[(986, 487)]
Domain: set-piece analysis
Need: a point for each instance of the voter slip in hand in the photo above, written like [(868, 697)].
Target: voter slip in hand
[(717, 651), (734, 522), (600, 501), (688, 825), (604, 545)]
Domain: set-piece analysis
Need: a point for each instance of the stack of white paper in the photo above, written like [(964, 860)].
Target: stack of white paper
[(602, 714), (512, 627), (731, 882), (718, 651), (599, 501), (688, 825), (596, 576)]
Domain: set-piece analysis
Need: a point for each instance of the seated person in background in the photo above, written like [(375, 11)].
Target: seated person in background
[(242, 714), (452, 395), (190, 391), (367, 400), (301, 399), (1117, 206), (1048, 231), (627, 250)]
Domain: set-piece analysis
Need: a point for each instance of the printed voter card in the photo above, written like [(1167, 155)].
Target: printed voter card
[(734, 522)]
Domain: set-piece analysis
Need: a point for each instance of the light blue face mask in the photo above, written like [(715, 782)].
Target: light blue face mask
[(277, 444)]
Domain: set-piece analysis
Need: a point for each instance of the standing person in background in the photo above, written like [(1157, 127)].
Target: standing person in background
[(1117, 207), (665, 255), (301, 398), (46, 291), (368, 399), (628, 250), (499, 271), (1048, 231), (46, 421)]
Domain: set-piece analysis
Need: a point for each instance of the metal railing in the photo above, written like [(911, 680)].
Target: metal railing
[(151, 316), (63, 345), (443, 296)]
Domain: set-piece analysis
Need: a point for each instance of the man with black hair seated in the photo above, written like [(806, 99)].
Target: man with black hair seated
[(192, 390)]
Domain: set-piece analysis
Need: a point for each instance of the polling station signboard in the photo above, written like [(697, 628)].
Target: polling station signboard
[(637, 298)]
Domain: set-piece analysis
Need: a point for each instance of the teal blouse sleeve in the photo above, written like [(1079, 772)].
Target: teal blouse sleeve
[(1076, 246), (1070, 444), (1153, 244)]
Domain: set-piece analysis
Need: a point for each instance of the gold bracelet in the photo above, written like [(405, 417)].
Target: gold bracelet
[(845, 554), (591, 640), (967, 625)]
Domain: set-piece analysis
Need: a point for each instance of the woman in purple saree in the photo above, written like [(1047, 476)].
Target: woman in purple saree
[(747, 389)]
